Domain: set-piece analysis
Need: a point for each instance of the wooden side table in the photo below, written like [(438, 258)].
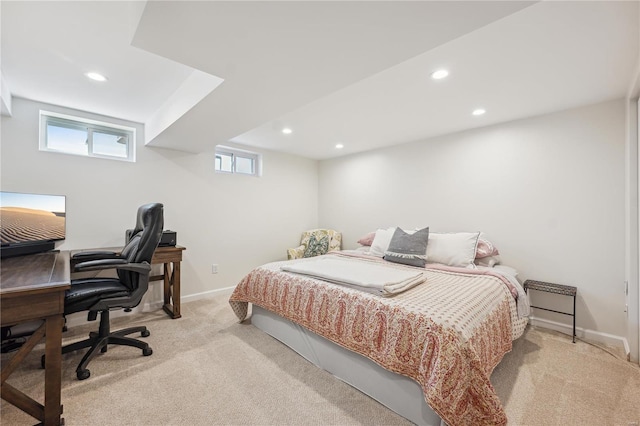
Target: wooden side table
[(170, 256), (565, 290)]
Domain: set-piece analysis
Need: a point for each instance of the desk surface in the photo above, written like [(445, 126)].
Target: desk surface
[(32, 288), (35, 272)]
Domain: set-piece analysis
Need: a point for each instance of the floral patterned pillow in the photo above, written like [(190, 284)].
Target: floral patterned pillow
[(317, 246)]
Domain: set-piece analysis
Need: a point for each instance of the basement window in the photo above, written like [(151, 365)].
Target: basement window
[(90, 138), (233, 160)]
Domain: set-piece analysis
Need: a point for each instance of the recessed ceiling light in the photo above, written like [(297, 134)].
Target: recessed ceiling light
[(439, 75), (286, 131), (339, 146), (96, 76), (478, 111)]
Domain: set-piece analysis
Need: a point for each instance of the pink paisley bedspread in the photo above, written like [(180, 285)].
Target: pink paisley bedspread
[(447, 334)]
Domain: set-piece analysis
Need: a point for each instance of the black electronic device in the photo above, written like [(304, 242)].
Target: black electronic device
[(169, 238), (31, 223)]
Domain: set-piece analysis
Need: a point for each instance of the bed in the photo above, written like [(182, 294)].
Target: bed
[(426, 350)]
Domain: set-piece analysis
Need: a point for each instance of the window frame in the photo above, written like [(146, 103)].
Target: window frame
[(90, 126), (238, 153)]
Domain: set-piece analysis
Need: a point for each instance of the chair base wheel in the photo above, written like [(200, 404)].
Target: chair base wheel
[(83, 374), (147, 351), (145, 333)]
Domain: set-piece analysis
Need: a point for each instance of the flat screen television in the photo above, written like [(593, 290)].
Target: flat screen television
[(30, 223)]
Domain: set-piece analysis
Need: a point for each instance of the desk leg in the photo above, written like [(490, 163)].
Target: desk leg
[(175, 278), (53, 370), (167, 289), (172, 289), (52, 410)]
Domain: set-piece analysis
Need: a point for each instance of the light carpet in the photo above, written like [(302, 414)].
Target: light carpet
[(208, 369)]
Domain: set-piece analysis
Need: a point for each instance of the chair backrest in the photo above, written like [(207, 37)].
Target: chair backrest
[(143, 241)]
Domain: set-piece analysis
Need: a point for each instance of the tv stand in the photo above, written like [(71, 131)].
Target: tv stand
[(24, 249)]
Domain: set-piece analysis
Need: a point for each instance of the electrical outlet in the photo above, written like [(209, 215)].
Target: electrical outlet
[(214, 268)]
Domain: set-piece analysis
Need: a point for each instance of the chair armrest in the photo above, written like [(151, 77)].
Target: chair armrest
[(93, 265), (95, 255), (296, 253), (336, 242), (142, 268), (97, 265)]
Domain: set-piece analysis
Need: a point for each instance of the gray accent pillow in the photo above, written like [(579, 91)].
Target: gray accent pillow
[(409, 249)]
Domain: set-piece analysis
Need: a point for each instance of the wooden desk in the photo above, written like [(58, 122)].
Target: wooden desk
[(32, 288), (170, 257)]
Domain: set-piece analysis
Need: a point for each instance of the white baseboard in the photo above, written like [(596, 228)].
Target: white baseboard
[(586, 334), (80, 318), (157, 304), (210, 293)]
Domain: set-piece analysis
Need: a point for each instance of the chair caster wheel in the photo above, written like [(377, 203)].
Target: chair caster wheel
[(145, 333), (42, 361), (147, 351), (83, 374)]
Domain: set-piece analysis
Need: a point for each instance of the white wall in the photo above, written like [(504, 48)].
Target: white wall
[(632, 181), (548, 190), (236, 221), (632, 209)]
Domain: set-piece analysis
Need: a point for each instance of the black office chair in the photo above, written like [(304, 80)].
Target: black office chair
[(124, 292), (13, 337)]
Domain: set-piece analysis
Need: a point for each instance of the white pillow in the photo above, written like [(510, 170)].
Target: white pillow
[(381, 241), (454, 249)]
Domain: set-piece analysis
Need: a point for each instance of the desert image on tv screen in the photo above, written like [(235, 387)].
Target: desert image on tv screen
[(31, 217)]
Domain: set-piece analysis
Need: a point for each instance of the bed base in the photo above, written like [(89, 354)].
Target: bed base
[(396, 392)]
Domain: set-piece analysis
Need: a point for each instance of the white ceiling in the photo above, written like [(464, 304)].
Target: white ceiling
[(355, 73)]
